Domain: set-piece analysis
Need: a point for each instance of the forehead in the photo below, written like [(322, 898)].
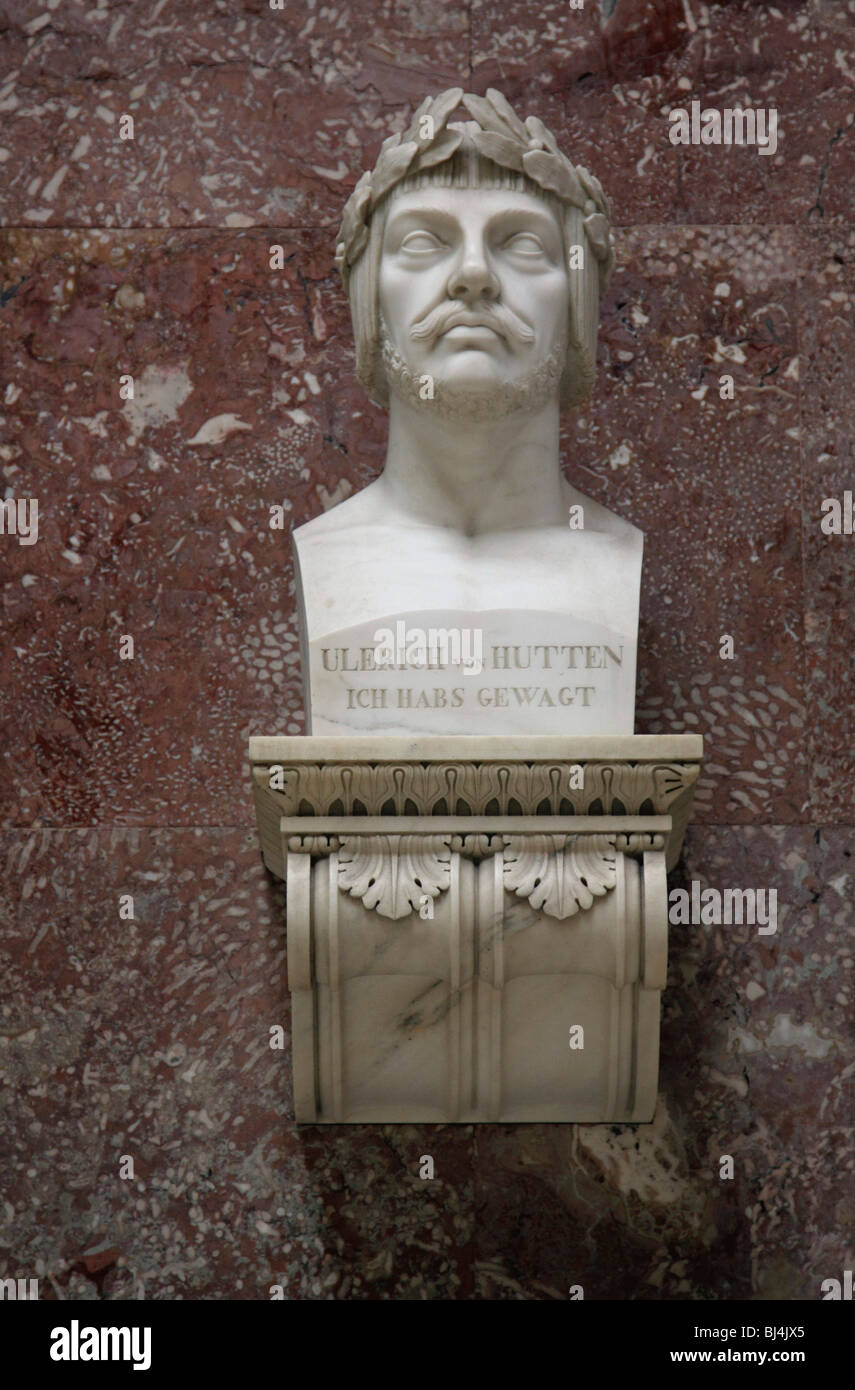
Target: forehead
[(471, 206)]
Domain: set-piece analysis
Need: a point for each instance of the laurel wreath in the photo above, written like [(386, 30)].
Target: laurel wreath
[(525, 147)]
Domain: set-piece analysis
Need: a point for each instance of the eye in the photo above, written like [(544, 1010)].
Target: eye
[(524, 244), (421, 242)]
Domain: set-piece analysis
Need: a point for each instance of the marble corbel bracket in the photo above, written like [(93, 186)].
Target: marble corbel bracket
[(456, 906)]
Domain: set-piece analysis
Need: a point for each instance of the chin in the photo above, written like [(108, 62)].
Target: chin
[(453, 378), (472, 402)]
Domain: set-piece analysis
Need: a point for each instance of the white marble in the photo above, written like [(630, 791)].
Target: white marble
[(488, 1010), (541, 626), (474, 843), (475, 322), (457, 905), (481, 748)]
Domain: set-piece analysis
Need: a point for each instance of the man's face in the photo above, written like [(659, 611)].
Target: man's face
[(473, 287)]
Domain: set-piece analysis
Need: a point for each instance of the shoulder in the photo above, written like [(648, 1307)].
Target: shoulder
[(362, 510), (599, 518)]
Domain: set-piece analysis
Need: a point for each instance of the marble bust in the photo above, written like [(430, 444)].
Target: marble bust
[(471, 588), (475, 843)]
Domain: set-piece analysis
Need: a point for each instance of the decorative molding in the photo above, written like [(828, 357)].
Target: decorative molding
[(477, 847), (313, 844), (638, 842), (500, 788), (392, 873), (560, 874)]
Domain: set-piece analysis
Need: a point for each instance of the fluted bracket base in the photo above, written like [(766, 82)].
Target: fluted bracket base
[(474, 937)]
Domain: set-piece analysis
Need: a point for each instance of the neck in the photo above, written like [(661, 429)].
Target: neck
[(475, 476)]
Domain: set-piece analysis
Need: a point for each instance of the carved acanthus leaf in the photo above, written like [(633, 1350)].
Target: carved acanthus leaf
[(560, 874), (393, 873)]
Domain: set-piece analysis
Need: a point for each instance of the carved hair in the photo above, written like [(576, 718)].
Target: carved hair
[(495, 150)]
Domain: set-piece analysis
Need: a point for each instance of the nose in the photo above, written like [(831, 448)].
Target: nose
[(473, 278)]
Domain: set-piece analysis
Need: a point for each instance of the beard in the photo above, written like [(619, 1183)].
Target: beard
[(490, 401)]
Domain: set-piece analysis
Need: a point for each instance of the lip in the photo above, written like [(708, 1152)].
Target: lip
[(465, 326)]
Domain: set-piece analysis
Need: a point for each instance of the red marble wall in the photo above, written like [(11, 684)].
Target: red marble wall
[(150, 256)]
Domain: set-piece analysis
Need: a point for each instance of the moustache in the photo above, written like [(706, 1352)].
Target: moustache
[(496, 316)]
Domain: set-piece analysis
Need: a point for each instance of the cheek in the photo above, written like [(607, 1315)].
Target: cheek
[(553, 305), (542, 298), (388, 300), (397, 305), (407, 294)]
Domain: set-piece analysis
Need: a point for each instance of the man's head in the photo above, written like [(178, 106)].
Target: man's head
[(474, 256), (473, 299)]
